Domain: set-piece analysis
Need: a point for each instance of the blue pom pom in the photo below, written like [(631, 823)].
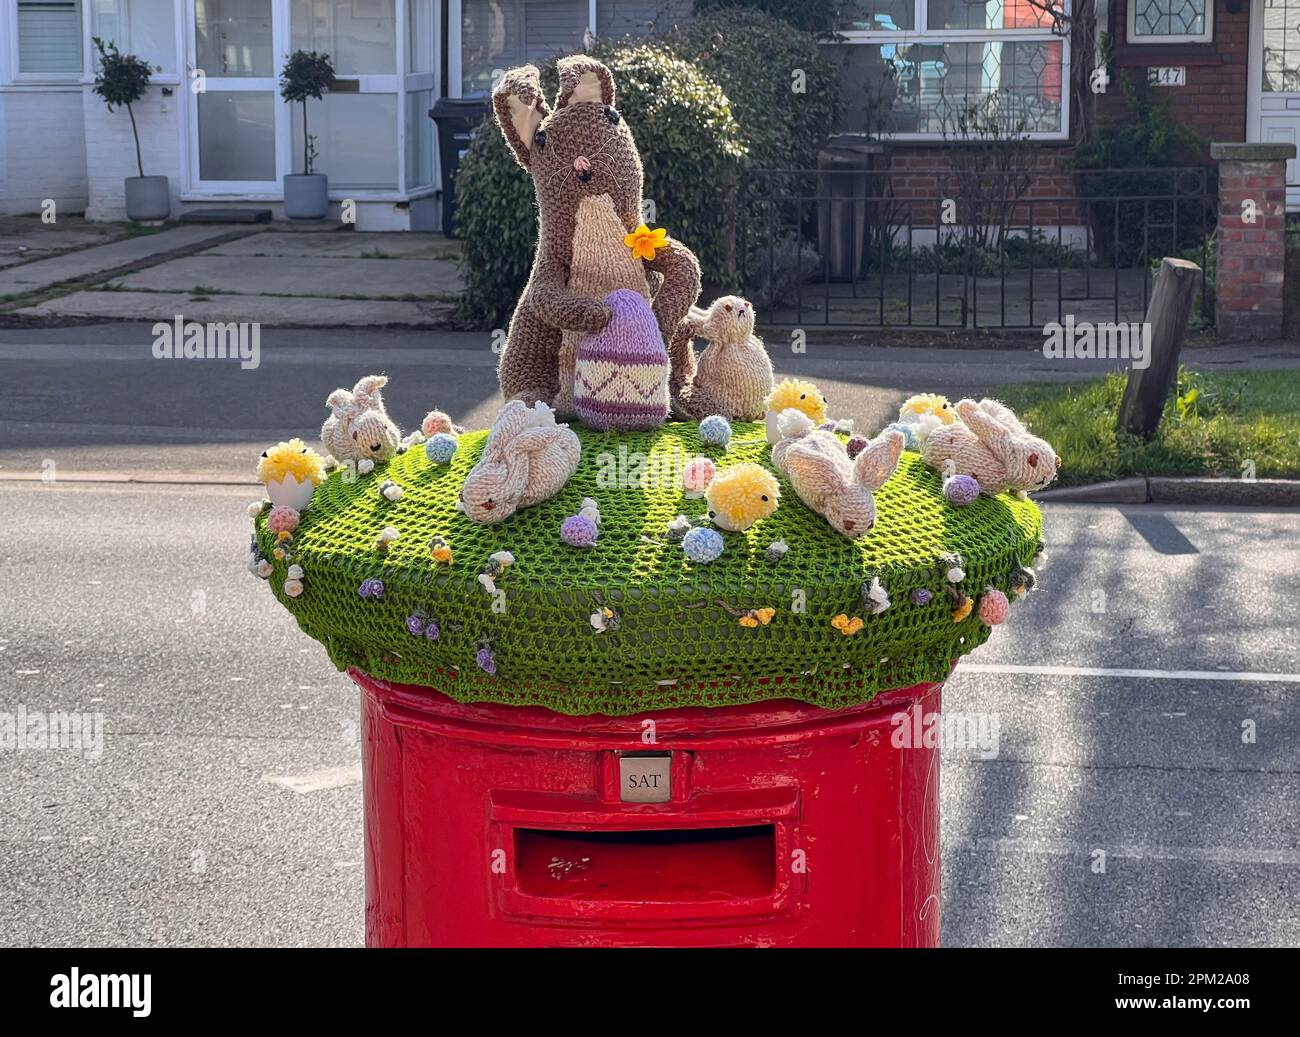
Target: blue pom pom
[(702, 545), (441, 448), (908, 432), (715, 430)]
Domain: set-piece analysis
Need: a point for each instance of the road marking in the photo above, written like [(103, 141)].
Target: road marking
[(317, 781), (1064, 848), (1159, 675)]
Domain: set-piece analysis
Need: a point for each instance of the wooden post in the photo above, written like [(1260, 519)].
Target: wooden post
[(1167, 315)]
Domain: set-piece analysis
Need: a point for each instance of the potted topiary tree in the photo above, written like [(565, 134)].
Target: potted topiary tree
[(121, 80), (306, 74)]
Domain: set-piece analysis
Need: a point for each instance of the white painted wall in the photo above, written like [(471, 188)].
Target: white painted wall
[(42, 149), (110, 149)]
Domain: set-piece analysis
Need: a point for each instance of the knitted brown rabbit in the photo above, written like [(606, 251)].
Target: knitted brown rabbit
[(588, 178)]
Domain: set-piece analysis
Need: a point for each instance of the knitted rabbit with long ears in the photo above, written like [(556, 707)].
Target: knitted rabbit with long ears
[(527, 459), (358, 427), (990, 443), (837, 488), (588, 178)]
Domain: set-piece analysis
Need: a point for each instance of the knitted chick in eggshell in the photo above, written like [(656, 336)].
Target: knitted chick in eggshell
[(291, 470), (734, 367), (794, 394), (741, 495)]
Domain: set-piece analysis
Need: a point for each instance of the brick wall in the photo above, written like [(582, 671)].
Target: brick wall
[(42, 150), (1213, 103), (1252, 239)]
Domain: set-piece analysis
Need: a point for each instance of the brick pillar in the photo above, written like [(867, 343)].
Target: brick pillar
[(1252, 254)]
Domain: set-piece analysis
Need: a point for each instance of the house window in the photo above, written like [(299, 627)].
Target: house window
[(918, 69), (1170, 21), (145, 28), (49, 36)]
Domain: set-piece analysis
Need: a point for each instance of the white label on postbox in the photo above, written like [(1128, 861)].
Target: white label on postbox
[(645, 779)]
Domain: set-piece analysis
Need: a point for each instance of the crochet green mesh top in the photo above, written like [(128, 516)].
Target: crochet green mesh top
[(680, 633)]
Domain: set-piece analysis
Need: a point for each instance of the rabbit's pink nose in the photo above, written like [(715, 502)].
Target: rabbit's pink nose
[(582, 164)]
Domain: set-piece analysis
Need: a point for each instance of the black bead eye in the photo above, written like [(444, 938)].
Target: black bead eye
[(539, 139), (611, 113)]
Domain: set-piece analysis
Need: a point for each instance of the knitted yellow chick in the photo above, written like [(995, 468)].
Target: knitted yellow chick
[(928, 403), (291, 471), (741, 495), (798, 395)]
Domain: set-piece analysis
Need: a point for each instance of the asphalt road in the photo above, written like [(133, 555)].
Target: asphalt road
[(133, 602)]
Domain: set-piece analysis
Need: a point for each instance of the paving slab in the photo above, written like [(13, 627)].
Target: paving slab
[(102, 259), (268, 310), (358, 245), (300, 276)]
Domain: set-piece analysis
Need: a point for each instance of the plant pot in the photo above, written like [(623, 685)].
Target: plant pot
[(306, 196), (147, 198)]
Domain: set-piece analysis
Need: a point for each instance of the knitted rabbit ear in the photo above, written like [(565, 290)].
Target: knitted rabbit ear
[(366, 391), (340, 401), (878, 459), (520, 108), (512, 420), (988, 430), (1002, 413), (584, 80)]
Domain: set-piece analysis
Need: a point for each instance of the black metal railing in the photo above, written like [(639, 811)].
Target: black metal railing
[(938, 247)]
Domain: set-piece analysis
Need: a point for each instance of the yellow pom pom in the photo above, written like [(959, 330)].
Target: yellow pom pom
[(929, 403), (741, 495), (802, 396), (292, 457)]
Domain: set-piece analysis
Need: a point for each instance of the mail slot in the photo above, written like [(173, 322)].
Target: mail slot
[(772, 824)]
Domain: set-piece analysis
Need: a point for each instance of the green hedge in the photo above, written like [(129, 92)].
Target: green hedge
[(690, 144), (809, 15)]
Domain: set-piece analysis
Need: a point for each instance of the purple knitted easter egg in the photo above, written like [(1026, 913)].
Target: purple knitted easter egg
[(621, 376)]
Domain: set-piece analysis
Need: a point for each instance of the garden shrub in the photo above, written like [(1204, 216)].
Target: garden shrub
[(809, 15)]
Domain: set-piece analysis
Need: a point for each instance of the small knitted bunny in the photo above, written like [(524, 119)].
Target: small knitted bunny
[(819, 469), (358, 427), (990, 444), (734, 367), (527, 459)]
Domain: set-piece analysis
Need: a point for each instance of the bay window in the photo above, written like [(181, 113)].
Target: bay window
[(915, 69)]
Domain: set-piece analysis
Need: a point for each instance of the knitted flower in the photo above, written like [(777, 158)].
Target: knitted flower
[(921, 596), (678, 528), (846, 626), (696, 475), (415, 625), (605, 618), (440, 550), (952, 564), (264, 568), (371, 588), (875, 597), (993, 607), (282, 519), (741, 495), (391, 491), (255, 508), (644, 242), (486, 662), (1023, 580), (702, 545), (579, 531), (756, 617), (715, 430), (386, 537), (963, 609), (293, 588), (776, 551)]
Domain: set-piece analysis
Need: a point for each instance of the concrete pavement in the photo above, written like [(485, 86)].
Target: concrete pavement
[(187, 829)]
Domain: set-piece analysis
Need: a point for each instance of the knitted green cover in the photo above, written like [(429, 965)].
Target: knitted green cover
[(677, 644)]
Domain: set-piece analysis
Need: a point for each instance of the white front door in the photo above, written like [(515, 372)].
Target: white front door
[(233, 47), (1273, 104)]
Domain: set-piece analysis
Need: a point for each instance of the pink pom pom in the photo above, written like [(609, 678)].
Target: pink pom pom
[(434, 422), (697, 474), (283, 519), (993, 607)]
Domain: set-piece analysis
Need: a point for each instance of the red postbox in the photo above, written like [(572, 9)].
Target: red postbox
[(772, 824)]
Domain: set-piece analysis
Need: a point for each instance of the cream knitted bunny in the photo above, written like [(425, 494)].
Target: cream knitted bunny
[(358, 427), (991, 444), (527, 458), (819, 469), (735, 367)]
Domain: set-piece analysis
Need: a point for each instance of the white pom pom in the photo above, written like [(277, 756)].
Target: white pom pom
[(293, 588), (793, 423), (295, 572), (392, 491), (365, 466), (255, 509)]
